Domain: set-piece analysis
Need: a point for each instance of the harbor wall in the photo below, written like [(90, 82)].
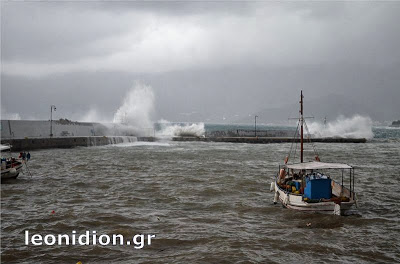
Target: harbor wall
[(251, 133), (267, 140), (29, 135), (18, 129), (27, 144)]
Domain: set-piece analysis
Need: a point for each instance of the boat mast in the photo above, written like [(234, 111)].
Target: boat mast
[(301, 121)]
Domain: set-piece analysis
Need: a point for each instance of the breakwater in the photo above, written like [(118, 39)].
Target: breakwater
[(20, 129), (27, 144), (251, 133), (268, 140)]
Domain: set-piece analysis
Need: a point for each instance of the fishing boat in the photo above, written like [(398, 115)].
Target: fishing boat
[(10, 167), (311, 186)]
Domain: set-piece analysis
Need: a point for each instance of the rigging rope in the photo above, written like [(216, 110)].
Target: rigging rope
[(29, 172), (293, 141), (309, 139)]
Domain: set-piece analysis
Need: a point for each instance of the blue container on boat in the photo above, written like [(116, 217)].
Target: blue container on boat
[(318, 189)]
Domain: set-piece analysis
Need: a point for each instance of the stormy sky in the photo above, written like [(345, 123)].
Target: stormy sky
[(205, 61)]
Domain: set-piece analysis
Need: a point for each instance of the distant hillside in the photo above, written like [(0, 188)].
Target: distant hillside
[(330, 106)]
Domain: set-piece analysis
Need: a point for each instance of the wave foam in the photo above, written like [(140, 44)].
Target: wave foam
[(168, 129), (354, 127), (137, 107)]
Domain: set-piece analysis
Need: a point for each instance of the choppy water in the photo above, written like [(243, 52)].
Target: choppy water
[(206, 202)]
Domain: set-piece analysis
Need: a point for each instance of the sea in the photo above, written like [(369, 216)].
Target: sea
[(205, 202)]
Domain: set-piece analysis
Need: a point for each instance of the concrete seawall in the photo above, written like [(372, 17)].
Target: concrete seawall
[(28, 144), (20, 129), (267, 140)]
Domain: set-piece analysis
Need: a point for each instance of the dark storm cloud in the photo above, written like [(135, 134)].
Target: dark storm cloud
[(179, 8), (44, 38), (64, 31), (225, 58)]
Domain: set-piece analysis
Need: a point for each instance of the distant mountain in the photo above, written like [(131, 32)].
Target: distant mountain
[(330, 106)]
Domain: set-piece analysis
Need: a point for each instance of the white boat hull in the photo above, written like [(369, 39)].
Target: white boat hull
[(296, 202)]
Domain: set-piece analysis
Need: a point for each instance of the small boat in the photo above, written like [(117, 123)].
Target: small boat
[(10, 167), (309, 186)]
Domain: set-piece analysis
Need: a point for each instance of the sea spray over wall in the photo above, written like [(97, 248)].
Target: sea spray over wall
[(92, 115), (354, 127), (137, 107), (168, 130), (9, 116)]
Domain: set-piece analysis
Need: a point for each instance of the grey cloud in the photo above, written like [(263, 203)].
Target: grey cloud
[(205, 60), (49, 32), (46, 33)]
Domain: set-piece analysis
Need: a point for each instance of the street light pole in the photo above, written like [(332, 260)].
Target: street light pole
[(51, 119), (255, 125)]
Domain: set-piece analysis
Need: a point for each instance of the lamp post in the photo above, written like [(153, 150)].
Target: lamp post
[(52, 107), (255, 125)]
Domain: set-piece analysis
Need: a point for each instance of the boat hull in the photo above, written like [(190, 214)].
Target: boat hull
[(296, 202), (11, 173)]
